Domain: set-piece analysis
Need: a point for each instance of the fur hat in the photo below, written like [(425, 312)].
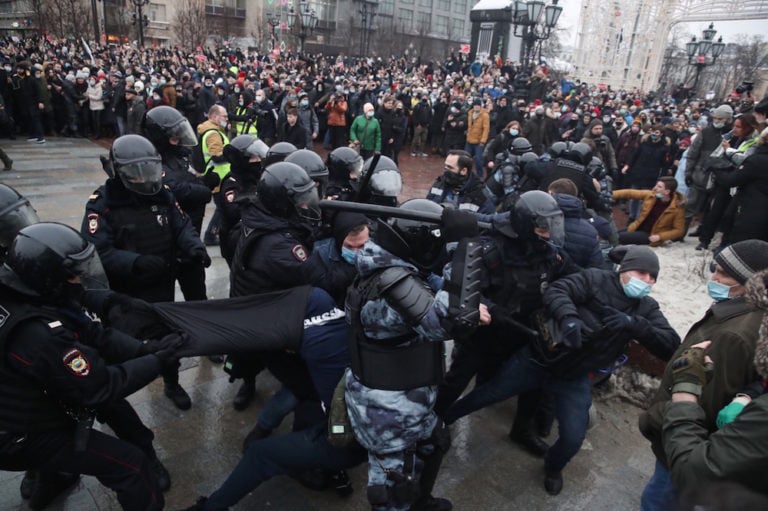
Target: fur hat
[(743, 259)]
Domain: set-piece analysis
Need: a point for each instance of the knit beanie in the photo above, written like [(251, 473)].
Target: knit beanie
[(757, 295), (640, 258), (344, 223), (723, 112), (743, 259)]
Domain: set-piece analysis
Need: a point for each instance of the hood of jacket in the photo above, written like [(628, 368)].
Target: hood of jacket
[(207, 125)]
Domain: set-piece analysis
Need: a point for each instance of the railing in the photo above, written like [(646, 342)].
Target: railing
[(228, 12)]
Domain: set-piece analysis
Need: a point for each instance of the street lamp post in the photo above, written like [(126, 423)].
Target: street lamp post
[(526, 18), (307, 21), (367, 13), (140, 19), (699, 50), (273, 21)]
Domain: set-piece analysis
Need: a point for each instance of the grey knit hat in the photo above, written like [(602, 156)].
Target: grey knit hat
[(640, 258), (744, 258), (723, 112)]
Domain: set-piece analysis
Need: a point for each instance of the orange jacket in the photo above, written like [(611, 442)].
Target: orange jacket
[(671, 223), (336, 111), (477, 129)]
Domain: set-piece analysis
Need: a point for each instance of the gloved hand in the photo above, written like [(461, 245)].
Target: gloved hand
[(690, 371), (615, 320), (570, 331), (200, 255), (211, 179), (165, 349), (149, 266), (458, 224), (688, 180), (729, 413)]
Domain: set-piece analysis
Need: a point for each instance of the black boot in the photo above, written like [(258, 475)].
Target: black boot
[(28, 484), (340, 482), (162, 477), (178, 395), (553, 482), (245, 394), (529, 441), (49, 487)]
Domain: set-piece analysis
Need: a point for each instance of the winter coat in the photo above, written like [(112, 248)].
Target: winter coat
[(367, 132), (732, 326), (478, 128), (336, 112), (390, 123), (750, 203), (671, 223), (296, 134), (581, 237), (626, 147), (455, 128), (587, 295), (541, 132), (472, 196), (700, 159), (134, 115), (422, 114), (649, 162)]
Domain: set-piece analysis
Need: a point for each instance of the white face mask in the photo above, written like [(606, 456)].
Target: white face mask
[(223, 123), (259, 99)]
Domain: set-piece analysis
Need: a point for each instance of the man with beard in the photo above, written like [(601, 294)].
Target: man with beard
[(732, 325), (459, 186)]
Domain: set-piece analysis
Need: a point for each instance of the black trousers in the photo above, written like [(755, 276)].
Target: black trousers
[(121, 464)]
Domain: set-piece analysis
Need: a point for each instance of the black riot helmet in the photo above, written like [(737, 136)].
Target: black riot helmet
[(537, 209), (137, 164), (525, 159), (415, 241), (385, 183), (163, 123), (558, 149), (241, 150), (580, 153), (44, 256), (344, 164), (15, 214), (596, 168), (519, 146), (287, 191), (279, 152), (311, 162)]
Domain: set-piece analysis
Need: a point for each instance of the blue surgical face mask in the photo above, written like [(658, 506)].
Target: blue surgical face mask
[(636, 288), (349, 255), (514, 132), (717, 291)]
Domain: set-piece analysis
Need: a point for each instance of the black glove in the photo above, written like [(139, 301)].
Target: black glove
[(690, 371), (615, 320), (149, 266), (200, 255), (211, 179), (570, 331), (458, 224), (688, 180), (165, 349)]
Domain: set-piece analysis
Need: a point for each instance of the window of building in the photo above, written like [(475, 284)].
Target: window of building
[(457, 27), (425, 3), (424, 22), (325, 9), (409, 2), (405, 20), (157, 13), (386, 7), (441, 25), (460, 6), (444, 5)]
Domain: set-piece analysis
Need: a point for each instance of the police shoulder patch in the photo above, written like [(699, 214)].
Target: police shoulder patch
[(299, 252), (93, 223), (77, 364)]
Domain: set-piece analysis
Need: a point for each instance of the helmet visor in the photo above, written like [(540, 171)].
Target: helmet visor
[(307, 204), (258, 148), (144, 177), (87, 266), (387, 182), (13, 219), (184, 133), (356, 167), (555, 225)]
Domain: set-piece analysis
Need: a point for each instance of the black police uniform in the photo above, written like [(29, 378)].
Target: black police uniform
[(470, 193), (125, 226), (235, 189), (58, 370), (563, 168), (192, 195)]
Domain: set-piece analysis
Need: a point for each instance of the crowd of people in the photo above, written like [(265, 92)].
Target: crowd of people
[(513, 254)]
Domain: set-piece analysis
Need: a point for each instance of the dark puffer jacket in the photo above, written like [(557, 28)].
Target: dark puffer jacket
[(581, 237)]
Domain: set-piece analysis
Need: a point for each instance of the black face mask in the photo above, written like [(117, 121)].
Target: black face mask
[(454, 179), (254, 168), (72, 293)]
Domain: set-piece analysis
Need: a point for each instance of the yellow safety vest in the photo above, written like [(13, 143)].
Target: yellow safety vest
[(245, 127), (222, 169)]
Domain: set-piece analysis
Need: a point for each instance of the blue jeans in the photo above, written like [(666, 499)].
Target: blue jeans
[(277, 408), (283, 455), (659, 494), (476, 152), (634, 204), (520, 374)]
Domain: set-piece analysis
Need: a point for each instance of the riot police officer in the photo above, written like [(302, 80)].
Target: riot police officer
[(460, 186), (279, 152), (141, 233), (344, 167), (15, 213), (246, 155), (384, 184), (398, 327), (573, 165), (60, 370), (172, 136)]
